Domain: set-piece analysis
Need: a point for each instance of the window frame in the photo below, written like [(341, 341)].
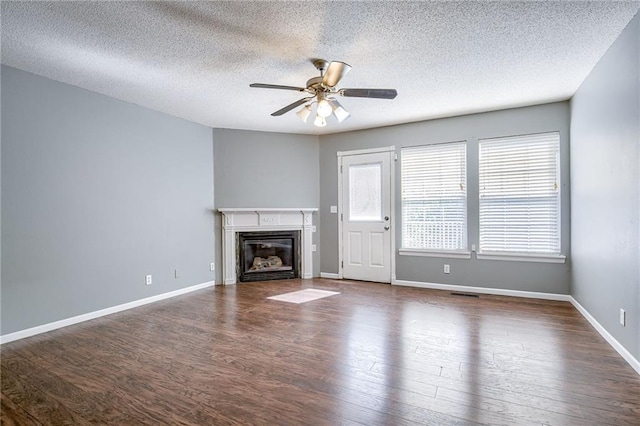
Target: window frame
[(514, 255), (462, 253)]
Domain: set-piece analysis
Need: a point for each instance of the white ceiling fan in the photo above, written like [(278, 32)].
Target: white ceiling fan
[(323, 91)]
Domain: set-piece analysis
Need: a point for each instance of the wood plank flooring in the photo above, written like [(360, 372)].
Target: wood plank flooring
[(373, 355)]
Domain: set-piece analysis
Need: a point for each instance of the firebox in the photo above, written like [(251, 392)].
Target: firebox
[(268, 255)]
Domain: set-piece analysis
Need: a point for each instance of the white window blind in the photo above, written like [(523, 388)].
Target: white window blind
[(434, 197), (519, 184)]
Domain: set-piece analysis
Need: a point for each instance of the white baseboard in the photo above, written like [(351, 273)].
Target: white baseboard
[(485, 290), (329, 275), (633, 362), (626, 355), (97, 314)]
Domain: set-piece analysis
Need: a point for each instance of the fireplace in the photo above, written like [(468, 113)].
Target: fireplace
[(271, 255), (257, 222)]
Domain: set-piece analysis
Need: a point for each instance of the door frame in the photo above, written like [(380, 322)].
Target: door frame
[(393, 156)]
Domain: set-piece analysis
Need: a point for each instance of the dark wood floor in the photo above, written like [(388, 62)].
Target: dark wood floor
[(373, 355)]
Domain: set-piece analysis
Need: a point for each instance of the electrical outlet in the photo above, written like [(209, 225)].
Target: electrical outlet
[(313, 247), (212, 266), (623, 317), (148, 280), (333, 209), (473, 247), (313, 228), (447, 268)]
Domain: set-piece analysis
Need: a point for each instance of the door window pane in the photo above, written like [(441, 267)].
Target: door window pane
[(365, 192)]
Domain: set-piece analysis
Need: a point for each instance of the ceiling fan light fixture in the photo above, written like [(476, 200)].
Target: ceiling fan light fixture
[(324, 108), (304, 113), (320, 121), (322, 91), (340, 113)]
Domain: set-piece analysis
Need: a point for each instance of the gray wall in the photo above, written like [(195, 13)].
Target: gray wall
[(605, 192), (96, 193), (260, 169), (528, 276)]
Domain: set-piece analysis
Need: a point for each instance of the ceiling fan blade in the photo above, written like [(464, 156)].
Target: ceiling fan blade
[(334, 73), (276, 86), (369, 93), (290, 107)]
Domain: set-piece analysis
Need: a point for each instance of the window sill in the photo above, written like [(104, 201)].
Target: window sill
[(430, 253), (522, 257)]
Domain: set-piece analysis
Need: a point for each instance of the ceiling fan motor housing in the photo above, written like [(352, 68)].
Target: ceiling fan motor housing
[(315, 84)]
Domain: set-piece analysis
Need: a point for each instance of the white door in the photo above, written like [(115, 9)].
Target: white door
[(366, 216)]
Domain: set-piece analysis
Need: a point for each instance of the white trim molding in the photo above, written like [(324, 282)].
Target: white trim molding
[(22, 334), (430, 253), (265, 219), (633, 362), (330, 275), (521, 257), (340, 217), (367, 151), (485, 290)]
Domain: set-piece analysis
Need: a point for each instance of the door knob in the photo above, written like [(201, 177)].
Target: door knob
[(386, 228)]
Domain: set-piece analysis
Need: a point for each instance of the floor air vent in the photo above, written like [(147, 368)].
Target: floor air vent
[(464, 294)]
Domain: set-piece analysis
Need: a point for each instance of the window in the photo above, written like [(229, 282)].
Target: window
[(434, 197), (520, 195)]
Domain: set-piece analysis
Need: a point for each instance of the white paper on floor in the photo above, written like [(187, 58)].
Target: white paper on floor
[(302, 296)]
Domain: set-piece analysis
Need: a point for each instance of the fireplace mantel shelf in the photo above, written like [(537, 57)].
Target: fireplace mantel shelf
[(243, 219), (267, 209)]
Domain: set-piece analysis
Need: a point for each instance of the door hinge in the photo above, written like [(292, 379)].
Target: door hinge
[(342, 264), (340, 168)]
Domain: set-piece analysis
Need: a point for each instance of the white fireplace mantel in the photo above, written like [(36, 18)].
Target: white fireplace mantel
[(265, 219)]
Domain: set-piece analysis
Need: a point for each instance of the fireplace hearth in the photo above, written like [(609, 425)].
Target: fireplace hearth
[(268, 255)]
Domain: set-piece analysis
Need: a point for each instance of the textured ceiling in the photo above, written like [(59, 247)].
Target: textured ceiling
[(196, 59)]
